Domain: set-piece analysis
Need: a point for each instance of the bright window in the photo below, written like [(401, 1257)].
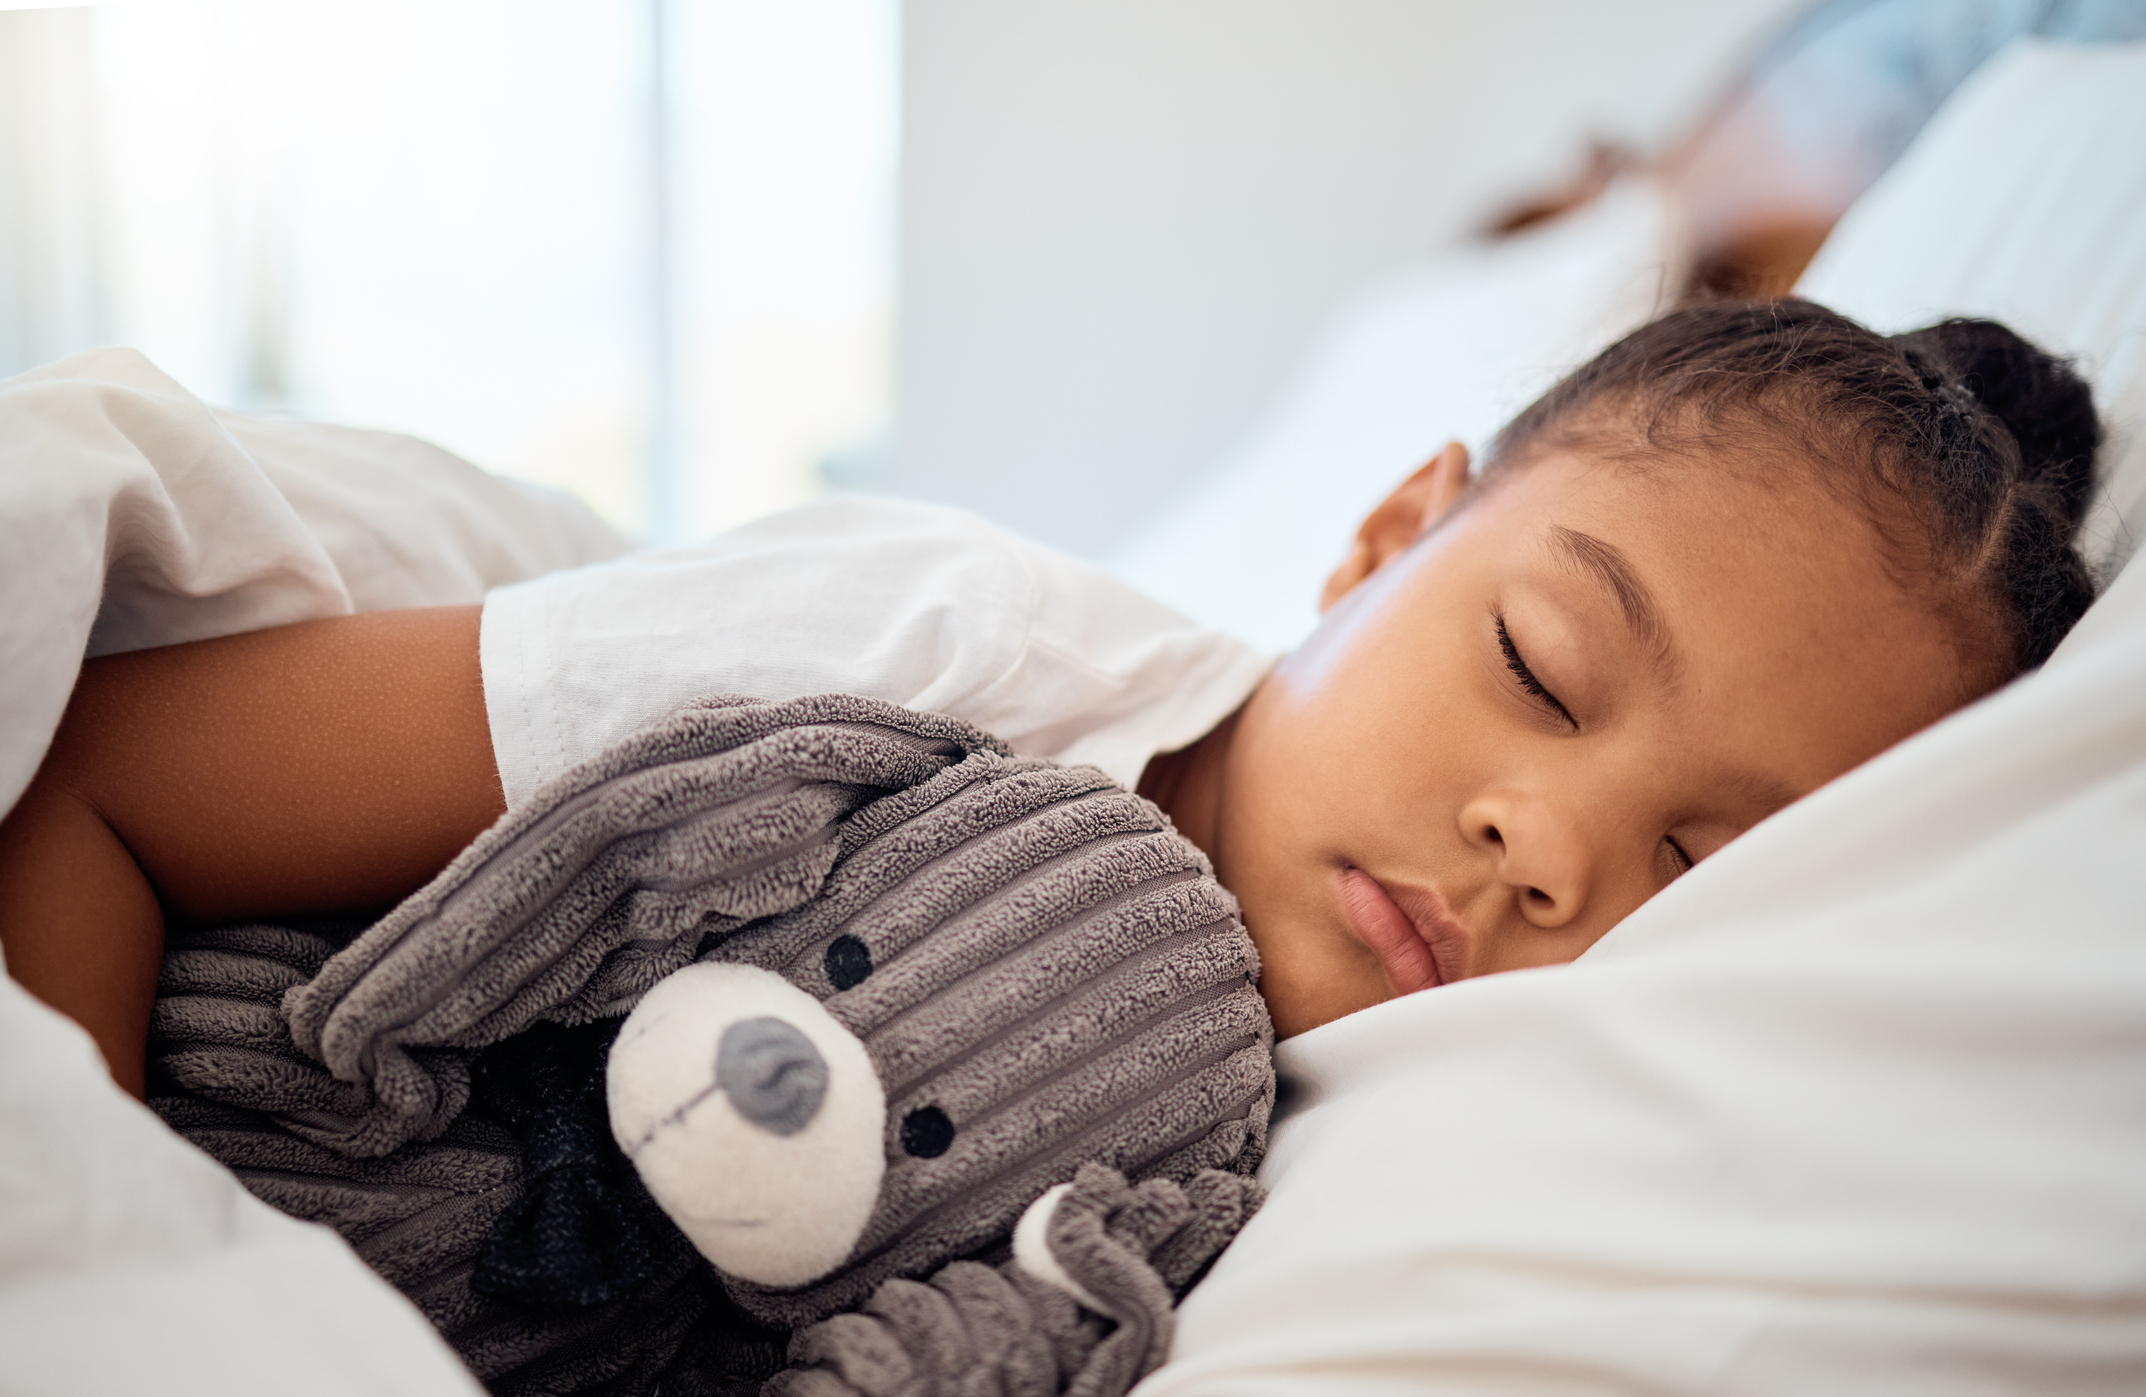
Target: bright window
[(641, 249)]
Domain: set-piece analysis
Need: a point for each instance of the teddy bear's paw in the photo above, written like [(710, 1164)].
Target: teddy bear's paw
[(754, 1118)]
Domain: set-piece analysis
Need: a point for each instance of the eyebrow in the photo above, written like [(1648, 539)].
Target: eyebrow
[(1606, 564)]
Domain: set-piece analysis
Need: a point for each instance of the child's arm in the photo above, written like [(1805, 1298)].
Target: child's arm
[(327, 766)]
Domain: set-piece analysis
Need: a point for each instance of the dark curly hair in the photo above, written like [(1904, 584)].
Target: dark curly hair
[(1970, 450)]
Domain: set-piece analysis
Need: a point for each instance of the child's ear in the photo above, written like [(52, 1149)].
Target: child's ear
[(1421, 501)]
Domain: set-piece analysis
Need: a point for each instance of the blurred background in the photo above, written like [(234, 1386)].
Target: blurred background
[(700, 259), (641, 249)]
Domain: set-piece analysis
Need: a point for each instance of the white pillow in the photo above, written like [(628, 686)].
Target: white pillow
[(1857, 1106), (2024, 201)]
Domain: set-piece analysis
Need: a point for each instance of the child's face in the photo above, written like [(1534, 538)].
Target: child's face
[(1413, 798)]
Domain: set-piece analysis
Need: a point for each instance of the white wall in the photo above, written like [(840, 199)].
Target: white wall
[(1121, 218)]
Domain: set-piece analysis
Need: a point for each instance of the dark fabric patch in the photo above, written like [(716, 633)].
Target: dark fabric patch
[(584, 1231)]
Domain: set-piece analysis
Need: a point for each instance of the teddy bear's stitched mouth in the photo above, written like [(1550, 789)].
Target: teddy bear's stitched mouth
[(672, 1118)]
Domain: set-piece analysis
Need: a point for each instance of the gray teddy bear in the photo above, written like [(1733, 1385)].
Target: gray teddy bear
[(886, 988)]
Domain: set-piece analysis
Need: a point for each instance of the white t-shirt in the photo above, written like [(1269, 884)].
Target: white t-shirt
[(927, 607)]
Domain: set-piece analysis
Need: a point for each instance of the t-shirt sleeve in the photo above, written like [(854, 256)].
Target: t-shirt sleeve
[(921, 606)]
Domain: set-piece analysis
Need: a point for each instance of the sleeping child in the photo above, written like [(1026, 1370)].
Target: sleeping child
[(1741, 551)]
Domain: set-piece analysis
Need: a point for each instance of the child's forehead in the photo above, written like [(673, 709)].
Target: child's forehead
[(1674, 502), (1736, 578)]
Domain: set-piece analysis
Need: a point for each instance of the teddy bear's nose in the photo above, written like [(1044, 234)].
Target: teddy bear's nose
[(772, 1074)]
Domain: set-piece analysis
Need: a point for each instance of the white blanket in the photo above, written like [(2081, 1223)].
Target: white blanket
[(130, 1262), (207, 523)]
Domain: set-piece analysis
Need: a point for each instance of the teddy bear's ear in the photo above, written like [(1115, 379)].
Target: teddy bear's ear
[(756, 1120)]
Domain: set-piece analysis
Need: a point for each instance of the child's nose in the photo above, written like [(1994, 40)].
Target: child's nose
[(1535, 849)]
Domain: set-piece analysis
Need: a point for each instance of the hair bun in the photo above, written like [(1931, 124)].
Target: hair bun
[(2040, 398)]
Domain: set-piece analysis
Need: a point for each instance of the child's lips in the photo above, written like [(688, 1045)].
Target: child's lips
[(1415, 938)]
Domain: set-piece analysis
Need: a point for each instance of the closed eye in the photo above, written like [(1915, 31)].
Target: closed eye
[(1529, 684)]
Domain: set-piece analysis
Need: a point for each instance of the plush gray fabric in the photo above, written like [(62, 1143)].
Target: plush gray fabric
[(1027, 950), (423, 1215), (574, 906), (972, 1328)]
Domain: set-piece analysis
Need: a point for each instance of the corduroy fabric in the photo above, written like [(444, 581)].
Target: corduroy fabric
[(973, 1328), (1044, 962), (427, 1215)]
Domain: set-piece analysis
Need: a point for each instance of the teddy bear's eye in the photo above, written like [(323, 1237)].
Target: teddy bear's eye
[(927, 1133), (849, 961)]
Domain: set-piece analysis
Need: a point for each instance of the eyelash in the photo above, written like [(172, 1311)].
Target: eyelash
[(1526, 677), (1534, 689)]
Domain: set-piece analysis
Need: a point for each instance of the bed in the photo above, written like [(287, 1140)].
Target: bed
[(1859, 1105)]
